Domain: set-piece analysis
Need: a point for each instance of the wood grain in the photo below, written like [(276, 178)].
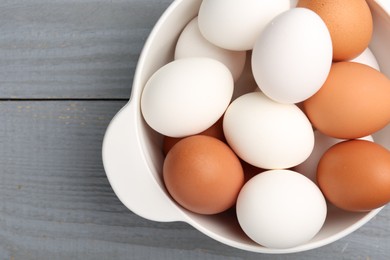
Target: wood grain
[(56, 202), (72, 49), (55, 199)]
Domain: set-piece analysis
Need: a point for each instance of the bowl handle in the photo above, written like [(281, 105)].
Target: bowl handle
[(128, 172)]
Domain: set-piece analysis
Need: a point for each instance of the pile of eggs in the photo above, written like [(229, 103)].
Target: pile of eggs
[(294, 136)]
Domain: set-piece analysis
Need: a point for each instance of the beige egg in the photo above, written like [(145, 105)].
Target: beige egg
[(349, 23)]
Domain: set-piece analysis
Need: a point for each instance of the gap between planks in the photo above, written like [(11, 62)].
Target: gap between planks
[(63, 99)]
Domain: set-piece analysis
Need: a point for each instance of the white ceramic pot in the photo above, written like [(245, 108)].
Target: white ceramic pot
[(133, 159)]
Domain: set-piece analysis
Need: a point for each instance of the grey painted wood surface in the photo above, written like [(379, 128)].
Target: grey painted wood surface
[(55, 200), (56, 203), (72, 49)]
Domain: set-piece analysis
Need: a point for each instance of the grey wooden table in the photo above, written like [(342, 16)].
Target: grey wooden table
[(66, 67)]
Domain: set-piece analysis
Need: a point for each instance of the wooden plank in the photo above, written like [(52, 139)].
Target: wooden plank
[(56, 202), (72, 49)]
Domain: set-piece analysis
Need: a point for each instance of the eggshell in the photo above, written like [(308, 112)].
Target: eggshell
[(281, 209), (191, 43), (233, 24), (187, 96), (353, 102), (321, 144), (349, 22), (203, 174), (355, 175), (267, 134), (292, 57)]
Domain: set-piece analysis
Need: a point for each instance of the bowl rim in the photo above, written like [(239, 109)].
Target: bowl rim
[(180, 214)]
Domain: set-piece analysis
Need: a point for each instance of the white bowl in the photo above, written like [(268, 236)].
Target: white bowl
[(133, 159)]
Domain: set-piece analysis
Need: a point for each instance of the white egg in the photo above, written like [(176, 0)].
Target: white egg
[(367, 58), (321, 144), (191, 43), (281, 209), (292, 57), (186, 96), (235, 25), (267, 134)]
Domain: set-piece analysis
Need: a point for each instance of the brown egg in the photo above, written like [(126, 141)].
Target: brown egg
[(216, 130), (353, 102), (349, 23), (203, 174), (355, 175)]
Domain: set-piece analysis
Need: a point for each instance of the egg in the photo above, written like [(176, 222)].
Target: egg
[(280, 209), (355, 175), (186, 96), (203, 174), (321, 144), (352, 103), (292, 57), (191, 43), (267, 134), (234, 25), (349, 22)]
